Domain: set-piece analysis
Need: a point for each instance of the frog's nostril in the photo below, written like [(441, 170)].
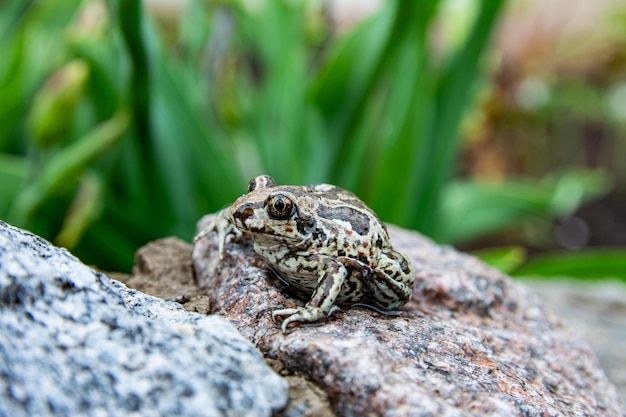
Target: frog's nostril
[(243, 212)]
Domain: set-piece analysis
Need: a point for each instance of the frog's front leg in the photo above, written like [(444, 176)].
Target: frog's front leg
[(321, 304), (221, 224)]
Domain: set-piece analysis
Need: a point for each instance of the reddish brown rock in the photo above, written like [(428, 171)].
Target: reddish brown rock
[(470, 342)]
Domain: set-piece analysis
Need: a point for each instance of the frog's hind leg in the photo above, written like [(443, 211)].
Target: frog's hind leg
[(384, 291)]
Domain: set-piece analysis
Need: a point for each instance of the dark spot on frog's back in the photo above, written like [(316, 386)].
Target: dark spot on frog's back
[(359, 222), (305, 225), (319, 235)]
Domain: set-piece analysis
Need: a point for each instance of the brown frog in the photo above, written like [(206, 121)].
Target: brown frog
[(321, 239)]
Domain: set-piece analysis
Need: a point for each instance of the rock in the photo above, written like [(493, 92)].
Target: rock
[(174, 280), (74, 342), (305, 398), (470, 342), (596, 311), (163, 268)]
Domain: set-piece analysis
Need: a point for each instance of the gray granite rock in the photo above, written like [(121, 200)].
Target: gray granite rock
[(471, 342), (73, 342), (596, 311)]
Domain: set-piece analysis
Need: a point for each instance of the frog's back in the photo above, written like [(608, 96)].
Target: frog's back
[(339, 204), (346, 227), (330, 193)]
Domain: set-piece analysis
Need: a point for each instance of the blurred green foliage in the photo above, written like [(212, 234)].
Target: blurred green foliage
[(117, 130)]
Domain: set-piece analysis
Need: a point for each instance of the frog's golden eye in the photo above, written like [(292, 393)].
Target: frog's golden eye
[(280, 207)]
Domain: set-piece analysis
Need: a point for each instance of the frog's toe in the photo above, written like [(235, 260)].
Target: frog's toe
[(302, 314), (203, 233), (284, 312), (286, 322)]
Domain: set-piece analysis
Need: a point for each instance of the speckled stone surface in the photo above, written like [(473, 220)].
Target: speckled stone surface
[(73, 342), (596, 311), (471, 342)]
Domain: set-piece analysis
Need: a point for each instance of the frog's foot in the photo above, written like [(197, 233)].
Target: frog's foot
[(224, 228), (301, 314)]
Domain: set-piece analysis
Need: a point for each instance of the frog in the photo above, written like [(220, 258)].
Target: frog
[(321, 239)]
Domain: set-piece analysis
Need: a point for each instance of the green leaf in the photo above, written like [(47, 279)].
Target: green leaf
[(350, 63), (12, 176), (117, 247), (52, 112), (279, 122), (32, 45), (410, 20), (505, 258), (84, 210), (130, 17), (588, 263), (574, 187), (475, 208), (453, 95), (67, 165), (198, 165)]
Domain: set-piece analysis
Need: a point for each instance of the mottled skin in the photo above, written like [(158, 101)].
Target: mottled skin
[(321, 239)]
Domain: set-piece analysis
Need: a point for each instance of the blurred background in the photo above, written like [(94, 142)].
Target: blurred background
[(498, 127)]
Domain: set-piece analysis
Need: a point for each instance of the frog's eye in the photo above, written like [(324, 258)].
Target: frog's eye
[(262, 181), (280, 207)]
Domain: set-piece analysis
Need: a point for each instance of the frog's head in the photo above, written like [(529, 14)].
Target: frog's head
[(272, 213)]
